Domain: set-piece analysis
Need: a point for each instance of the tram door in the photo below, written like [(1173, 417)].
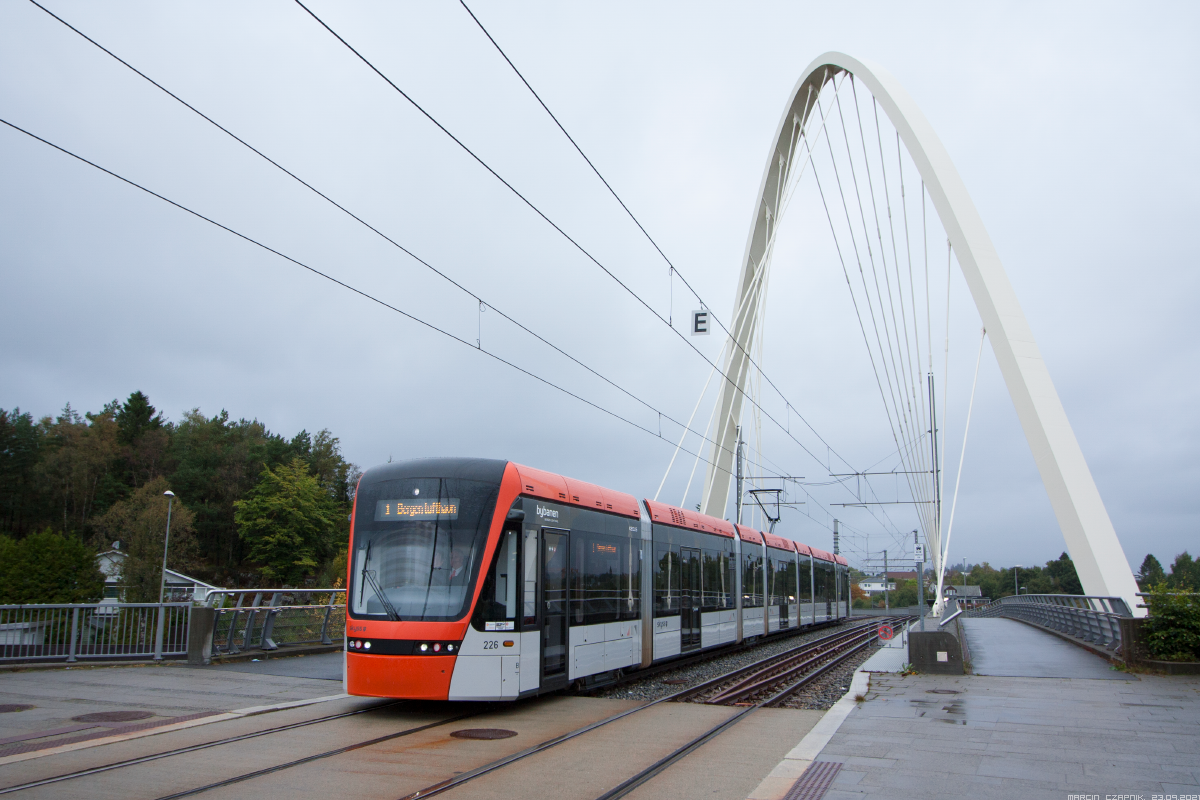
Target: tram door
[(689, 598), (555, 561)]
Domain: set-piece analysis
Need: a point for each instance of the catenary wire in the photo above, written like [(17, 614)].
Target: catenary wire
[(332, 279), (366, 224), (552, 224), (673, 269)]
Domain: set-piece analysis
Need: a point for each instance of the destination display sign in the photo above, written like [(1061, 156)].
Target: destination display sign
[(416, 510)]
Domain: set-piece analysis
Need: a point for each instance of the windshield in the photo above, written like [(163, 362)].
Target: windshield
[(417, 546)]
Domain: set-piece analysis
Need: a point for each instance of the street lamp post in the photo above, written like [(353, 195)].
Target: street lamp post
[(162, 581)]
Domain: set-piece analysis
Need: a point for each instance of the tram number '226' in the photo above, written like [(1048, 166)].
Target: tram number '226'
[(491, 644)]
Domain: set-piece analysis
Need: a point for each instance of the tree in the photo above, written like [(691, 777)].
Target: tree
[(136, 418), (144, 437), (289, 521), (1185, 573), (140, 524), (1151, 574), (21, 442), (78, 467), (48, 567), (1066, 579)]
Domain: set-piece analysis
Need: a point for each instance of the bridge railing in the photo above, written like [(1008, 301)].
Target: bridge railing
[(1090, 618), (272, 618), (112, 631)]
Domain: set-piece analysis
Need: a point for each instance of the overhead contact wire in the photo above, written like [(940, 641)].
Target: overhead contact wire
[(334, 280), (549, 221), (363, 222)]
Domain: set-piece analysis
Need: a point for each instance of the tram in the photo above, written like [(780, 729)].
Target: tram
[(480, 579)]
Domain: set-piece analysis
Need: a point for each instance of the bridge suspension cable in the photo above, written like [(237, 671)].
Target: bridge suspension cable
[(882, 292), (733, 385)]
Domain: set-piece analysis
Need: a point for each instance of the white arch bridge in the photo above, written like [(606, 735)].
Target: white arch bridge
[(866, 253)]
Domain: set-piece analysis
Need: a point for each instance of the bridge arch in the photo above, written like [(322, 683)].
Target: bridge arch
[(1084, 521)]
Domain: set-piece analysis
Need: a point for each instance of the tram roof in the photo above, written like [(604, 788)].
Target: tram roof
[(561, 489), (749, 534), (663, 514)]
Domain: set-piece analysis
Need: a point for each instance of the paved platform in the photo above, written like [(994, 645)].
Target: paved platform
[(891, 655), (156, 695), (1008, 648), (324, 667), (1004, 737)]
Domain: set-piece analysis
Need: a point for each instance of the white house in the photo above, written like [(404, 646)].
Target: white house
[(875, 585), (180, 587)]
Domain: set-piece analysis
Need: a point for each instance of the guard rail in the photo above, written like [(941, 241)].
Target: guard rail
[(1090, 618), (273, 618), (112, 631)]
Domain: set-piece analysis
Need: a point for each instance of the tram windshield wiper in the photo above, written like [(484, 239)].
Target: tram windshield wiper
[(368, 576)]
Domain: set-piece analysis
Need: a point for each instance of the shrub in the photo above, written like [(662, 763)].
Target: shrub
[(1173, 628)]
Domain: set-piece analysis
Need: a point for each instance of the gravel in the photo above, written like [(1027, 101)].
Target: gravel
[(822, 693), (655, 686)]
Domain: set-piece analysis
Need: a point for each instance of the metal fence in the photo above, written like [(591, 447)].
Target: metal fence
[(1090, 618), (268, 620), (93, 630)]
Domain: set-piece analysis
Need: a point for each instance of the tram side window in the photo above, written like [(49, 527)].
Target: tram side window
[(752, 580), (719, 586), (805, 579), (783, 586), (819, 583), (667, 577), (498, 596), (603, 579)]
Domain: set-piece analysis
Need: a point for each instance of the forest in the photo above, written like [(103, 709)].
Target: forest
[(251, 508)]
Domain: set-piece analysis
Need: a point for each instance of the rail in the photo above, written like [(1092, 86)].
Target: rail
[(1091, 618), (268, 619), (74, 631)]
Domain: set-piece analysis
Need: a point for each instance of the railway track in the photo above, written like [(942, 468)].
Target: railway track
[(835, 648), (762, 684), (770, 680), (83, 773), (699, 658)]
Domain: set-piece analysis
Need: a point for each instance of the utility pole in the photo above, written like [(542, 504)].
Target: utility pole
[(920, 553), (739, 475), (162, 580), (886, 606), (1016, 591), (836, 550)]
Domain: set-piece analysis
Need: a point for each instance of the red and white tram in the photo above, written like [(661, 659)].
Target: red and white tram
[(477, 579)]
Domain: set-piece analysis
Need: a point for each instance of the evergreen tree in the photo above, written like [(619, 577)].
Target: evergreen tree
[(1185, 572), (48, 567), (1066, 579), (21, 443), (135, 418), (1151, 574)]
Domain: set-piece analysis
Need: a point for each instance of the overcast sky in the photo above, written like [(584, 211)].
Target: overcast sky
[(1073, 128)]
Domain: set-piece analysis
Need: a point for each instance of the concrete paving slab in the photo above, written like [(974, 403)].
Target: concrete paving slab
[(1066, 736), (1008, 648), (163, 692)]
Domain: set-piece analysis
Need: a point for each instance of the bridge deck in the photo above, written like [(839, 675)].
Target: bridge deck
[(1008, 648)]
